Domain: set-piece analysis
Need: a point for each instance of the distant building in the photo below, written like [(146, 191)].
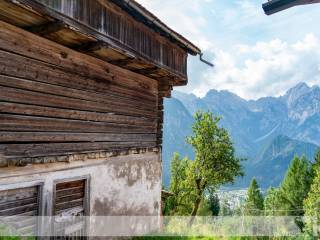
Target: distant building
[(82, 84)]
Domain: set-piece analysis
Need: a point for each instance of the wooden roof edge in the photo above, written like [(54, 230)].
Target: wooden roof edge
[(59, 18), (146, 17)]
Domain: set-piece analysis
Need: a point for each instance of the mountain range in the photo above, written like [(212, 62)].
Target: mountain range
[(268, 132)]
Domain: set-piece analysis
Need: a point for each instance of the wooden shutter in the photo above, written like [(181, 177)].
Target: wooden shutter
[(17, 205), (69, 197), (71, 200)]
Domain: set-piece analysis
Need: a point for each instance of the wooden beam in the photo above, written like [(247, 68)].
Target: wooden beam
[(121, 62), (146, 70), (47, 28), (92, 46)]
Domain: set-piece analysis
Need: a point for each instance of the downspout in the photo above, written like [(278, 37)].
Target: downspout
[(205, 61)]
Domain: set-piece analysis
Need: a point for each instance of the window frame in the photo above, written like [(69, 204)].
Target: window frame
[(40, 198), (86, 202)]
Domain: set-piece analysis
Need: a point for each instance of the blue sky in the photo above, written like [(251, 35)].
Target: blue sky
[(255, 55)]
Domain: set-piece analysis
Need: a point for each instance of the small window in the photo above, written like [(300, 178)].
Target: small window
[(18, 208), (71, 200)]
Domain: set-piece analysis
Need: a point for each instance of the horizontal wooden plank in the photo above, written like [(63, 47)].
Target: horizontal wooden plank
[(42, 99), (79, 210), (69, 192), (21, 216), (32, 46), (70, 184), (69, 205), (69, 198), (19, 222), (15, 123), (18, 194), (73, 137), (28, 230), (19, 210), (53, 149), (19, 16), (68, 92), (18, 203), (15, 65), (41, 111)]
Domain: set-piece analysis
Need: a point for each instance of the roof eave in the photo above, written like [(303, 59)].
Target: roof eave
[(152, 20)]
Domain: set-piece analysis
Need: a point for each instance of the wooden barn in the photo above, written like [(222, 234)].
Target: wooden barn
[(82, 84)]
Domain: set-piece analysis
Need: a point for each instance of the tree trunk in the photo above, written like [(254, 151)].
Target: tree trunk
[(197, 202), (195, 209), (196, 206)]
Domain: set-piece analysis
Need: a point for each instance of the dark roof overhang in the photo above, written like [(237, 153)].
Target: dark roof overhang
[(274, 6)]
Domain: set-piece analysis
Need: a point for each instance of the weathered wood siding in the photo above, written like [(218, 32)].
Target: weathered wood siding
[(54, 100), (110, 20)]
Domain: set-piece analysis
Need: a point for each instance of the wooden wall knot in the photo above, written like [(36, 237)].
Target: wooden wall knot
[(64, 54)]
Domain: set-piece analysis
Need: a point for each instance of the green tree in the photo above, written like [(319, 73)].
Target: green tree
[(254, 201), (215, 162), (316, 164), (204, 209), (295, 187), (214, 203), (180, 203), (225, 208), (312, 205), (272, 202)]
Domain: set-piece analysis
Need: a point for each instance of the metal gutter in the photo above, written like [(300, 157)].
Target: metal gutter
[(274, 6)]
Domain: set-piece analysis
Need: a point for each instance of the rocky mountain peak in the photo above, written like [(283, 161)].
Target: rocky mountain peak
[(296, 92)]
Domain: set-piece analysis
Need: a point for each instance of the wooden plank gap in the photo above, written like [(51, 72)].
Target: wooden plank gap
[(92, 46), (121, 62), (47, 28)]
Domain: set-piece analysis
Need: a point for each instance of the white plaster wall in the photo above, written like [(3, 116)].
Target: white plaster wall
[(123, 185)]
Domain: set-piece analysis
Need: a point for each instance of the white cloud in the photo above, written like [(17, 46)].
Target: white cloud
[(308, 43), (264, 69)]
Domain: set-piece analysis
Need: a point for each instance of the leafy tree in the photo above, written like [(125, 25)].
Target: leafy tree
[(316, 164), (254, 201), (225, 208), (295, 186), (294, 189), (215, 162), (204, 209), (180, 203), (272, 202), (214, 203), (312, 205)]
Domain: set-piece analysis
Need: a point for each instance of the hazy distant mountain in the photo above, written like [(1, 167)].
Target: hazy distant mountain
[(255, 126), (274, 160), (177, 126)]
